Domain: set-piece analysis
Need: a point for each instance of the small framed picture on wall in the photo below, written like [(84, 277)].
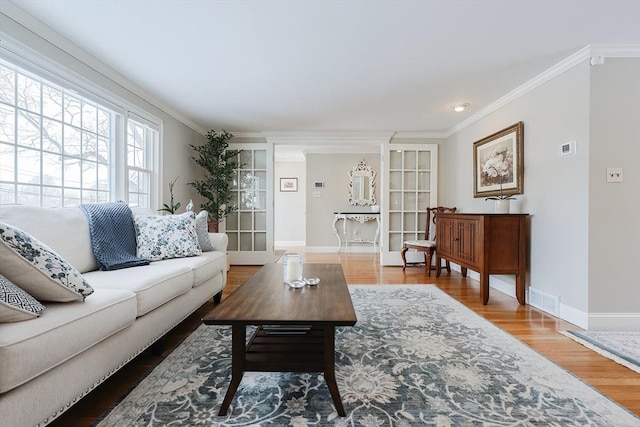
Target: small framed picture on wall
[(288, 184)]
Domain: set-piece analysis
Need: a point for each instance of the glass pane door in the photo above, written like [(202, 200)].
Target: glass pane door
[(411, 187), (248, 227)]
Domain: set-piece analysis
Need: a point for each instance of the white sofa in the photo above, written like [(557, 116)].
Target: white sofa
[(49, 363)]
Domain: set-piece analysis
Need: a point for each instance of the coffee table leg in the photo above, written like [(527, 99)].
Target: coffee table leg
[(238, 350), (330, 368)]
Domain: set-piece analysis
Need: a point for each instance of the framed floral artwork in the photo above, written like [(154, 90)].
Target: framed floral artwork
[(498, 163), (288, 184)]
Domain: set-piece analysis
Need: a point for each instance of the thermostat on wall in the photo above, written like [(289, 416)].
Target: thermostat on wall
[(568, 148), (318, 184)]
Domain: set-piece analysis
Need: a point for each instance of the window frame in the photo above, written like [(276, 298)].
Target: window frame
[(50, 73)]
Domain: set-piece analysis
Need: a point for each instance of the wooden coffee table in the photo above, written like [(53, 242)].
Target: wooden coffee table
[(296, 327)]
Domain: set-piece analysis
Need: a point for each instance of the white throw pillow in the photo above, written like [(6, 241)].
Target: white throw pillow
[(202, 229), (37, 269), (169, 236), (17, 305)]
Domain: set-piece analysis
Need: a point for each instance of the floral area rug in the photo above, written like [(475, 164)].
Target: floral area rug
[(415, 357), (622, 347)]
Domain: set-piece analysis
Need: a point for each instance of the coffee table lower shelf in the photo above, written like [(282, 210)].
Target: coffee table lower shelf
[(284, 348), (275, 350)]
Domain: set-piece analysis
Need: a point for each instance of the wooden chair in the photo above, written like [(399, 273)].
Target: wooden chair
[(428, 245)]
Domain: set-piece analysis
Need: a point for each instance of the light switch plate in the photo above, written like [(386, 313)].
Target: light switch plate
[(614, 174)]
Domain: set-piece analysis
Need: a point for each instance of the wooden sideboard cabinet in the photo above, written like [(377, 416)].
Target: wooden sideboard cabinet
[(486, 243)]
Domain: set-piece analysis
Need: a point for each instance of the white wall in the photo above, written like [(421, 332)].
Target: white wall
[(290, 207), (333, 170), (584, 238), (555, 188), (614, 221)]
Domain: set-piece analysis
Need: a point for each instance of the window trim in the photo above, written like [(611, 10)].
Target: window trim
[(42, 67)]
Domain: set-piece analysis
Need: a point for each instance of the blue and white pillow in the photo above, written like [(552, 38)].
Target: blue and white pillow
[(166, 236), (202, 229), (37, 269), (17, 305)]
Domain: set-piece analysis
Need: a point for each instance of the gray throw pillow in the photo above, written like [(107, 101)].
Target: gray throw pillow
[(202, 229)]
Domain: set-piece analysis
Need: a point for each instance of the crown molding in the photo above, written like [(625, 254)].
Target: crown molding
[(321, 137), (46, 33), (420, 135), (616, 51), (584, 54), (570, 62)]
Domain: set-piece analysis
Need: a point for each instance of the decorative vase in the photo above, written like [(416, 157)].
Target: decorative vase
[(502, 206)]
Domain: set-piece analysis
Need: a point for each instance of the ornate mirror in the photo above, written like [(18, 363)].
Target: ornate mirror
[(362, 185)]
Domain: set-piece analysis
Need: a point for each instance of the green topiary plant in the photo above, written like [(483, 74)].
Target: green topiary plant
[(220, 165)]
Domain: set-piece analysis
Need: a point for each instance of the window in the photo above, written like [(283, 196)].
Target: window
[(140, 142), (59, 148)]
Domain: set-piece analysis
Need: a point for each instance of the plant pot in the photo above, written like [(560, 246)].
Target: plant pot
[(212, 226), (501, 206)]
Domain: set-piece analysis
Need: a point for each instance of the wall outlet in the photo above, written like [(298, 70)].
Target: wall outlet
[(614, 174)]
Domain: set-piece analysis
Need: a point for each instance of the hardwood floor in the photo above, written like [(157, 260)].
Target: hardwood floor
[(533, 327)]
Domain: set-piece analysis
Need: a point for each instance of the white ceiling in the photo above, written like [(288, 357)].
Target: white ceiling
[(249, 66)]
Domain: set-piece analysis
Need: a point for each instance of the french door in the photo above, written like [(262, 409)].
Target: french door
[(250, 226), (410, 186)]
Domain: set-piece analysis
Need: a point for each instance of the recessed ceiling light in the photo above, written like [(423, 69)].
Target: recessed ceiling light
[(460, 107)]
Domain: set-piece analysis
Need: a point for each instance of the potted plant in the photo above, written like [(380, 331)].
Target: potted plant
[(219, 165), (171, 207), (498, 169)]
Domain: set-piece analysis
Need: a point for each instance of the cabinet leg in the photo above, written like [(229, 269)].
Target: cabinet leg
[(520, 291), (438, 265), (463, 271), (484, 288)]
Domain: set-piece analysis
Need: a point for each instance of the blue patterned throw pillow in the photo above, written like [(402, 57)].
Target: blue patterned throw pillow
[(166, 236), (37, 269), (15, 304)]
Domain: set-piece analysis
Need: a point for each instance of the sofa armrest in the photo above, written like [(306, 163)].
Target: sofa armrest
[(220, 241)]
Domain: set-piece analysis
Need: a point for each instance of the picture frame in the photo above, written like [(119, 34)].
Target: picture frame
[(288, 184), (498, 163)]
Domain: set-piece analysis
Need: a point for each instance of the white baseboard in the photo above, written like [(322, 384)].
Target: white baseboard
[(573, 315), (589, 321), (614, 322), (352, 249), (494, 281), (286, 243)]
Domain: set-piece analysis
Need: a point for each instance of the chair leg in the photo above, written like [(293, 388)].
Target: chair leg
[(403, 251), (427, 262)]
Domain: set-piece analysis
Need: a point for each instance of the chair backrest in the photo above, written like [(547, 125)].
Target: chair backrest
[(432, 215)]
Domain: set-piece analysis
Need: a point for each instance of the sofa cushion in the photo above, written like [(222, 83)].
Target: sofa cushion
[(65, 230), (153, 284), (202, 230), (28, 349), (15, 304), (37, 269), (203, 266), (170, 236)]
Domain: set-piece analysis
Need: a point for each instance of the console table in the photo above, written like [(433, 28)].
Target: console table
[(360, 217), (486, 243)]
